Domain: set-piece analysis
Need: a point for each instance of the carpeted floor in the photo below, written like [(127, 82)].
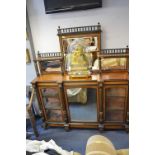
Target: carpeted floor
[(76, 139)]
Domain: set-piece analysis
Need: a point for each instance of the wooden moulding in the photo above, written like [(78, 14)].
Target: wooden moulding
[(101, 127), (113, 126), (83, 125)]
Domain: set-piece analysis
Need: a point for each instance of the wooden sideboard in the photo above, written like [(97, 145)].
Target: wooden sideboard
[(99, 101), (107, 91)]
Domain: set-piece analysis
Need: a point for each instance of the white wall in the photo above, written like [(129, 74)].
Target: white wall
[(30, 70), (113, 16)]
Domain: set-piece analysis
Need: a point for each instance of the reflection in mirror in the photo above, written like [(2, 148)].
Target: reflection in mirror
[(110, 63), (91, 43), (113, 63), (50, 66), (82, 104)]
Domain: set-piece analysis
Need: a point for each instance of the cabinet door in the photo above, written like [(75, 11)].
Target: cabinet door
[(51, 103), (82, 104), (115, 102)]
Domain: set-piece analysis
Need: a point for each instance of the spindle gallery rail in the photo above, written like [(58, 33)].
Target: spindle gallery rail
[(82, 29), (116, 52), (47, 55)]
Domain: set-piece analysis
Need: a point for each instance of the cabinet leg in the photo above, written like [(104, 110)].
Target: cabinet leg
[(33, 123), (66, 127), (126, 128), (45, 125), (34, 127), (101, 127)]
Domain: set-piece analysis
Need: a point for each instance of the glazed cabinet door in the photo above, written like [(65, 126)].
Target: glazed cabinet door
[(115, 103), (82, 104), (51, 103)]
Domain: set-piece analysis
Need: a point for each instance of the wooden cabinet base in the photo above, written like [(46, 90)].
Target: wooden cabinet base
[(101, 102), (66, 126), (100, 127)]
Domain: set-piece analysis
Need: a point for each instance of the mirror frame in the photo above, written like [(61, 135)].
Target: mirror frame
[(78, 32)]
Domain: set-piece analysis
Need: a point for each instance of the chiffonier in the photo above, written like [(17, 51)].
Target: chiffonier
[(100, 100)]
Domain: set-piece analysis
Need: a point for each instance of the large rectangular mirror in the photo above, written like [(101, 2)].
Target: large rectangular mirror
[(91, 43), (82, 104), (87, 36)]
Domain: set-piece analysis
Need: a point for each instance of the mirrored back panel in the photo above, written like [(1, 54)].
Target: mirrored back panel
[(82, 104), (90, 42)]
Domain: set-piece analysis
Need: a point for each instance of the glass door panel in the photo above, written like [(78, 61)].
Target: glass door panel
[(51, 98), (114, 115), (115, 98), (52, 104), (54, 115)]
